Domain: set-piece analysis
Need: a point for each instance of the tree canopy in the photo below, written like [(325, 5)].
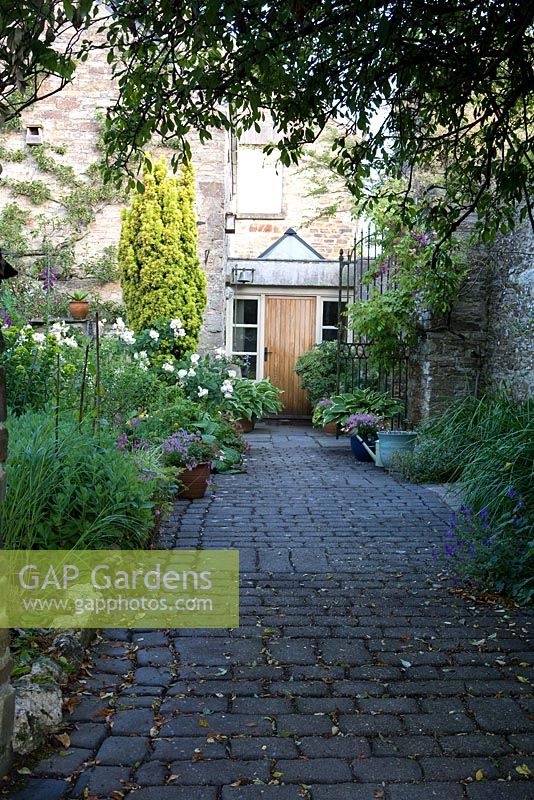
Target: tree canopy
[(413, 84)]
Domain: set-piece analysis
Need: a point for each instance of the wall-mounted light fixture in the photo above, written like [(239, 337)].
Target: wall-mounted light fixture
[(243, 274), (34, 134), (229, 222)]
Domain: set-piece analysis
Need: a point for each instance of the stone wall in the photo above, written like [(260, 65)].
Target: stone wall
[(301, 211), (70, 119), (449, 361), (490, 343), (510, 346), (7, 694)]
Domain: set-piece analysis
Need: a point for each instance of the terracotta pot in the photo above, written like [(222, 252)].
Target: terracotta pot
[(246, 425), (79, 309), (330, 428), (194, 482)]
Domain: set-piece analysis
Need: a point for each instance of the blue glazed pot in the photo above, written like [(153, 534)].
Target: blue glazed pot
[(393, 442), (359, 451)]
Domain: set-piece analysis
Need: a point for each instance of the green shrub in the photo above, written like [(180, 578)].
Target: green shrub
[(218, 429), (487, 445), (160, 419), (30, 360), (253, 398), (81, 493), (360, 401), (160, 273), (317, 370), (494, 556)]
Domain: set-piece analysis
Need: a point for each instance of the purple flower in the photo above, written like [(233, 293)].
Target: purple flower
[(325, 403), (122, 441), (421, 238), (49, 278), (511, 492), (6, 319), (185, 449), (363, 424)]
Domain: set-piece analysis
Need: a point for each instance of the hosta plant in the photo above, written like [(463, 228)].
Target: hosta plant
[(251, 398)]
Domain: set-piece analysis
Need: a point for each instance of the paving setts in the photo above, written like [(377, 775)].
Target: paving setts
[(355, 674)]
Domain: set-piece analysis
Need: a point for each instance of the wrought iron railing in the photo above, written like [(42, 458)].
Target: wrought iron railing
[(362, 272)]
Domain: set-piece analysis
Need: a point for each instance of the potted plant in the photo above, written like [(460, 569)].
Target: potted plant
[(318, 416), (361, 401), (251, 400), (190, 456), (78, 305), (363, 430)]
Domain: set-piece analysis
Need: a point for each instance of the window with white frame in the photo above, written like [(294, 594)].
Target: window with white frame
[(245, 334), (330, 320), (259, 182)]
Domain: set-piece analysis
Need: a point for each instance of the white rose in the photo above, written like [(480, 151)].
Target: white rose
[(39, 338), (182, 373), (232, 373), (153, 334), (70, 341), (195, 358), (202, 392), (168, 367), (191, 373)]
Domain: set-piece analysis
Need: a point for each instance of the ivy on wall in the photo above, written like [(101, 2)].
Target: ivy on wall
[(68, 205)]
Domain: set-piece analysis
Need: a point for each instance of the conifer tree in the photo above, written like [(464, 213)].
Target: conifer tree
[(161, 277)]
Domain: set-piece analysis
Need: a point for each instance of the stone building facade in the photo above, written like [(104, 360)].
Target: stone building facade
[(488, 342), (509, 356), (240, 189), (69, 120)]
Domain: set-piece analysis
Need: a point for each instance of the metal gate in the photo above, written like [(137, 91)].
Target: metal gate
[(363, 271)]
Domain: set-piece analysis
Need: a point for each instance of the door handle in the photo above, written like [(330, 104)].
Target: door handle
[(266, 352)]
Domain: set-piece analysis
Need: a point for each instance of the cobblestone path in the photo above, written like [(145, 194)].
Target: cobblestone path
[(355, 675)]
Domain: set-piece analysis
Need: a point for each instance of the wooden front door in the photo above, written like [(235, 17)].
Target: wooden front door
[(289, 332)]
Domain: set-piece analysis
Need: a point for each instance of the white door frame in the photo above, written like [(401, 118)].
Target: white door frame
[(259, 293)]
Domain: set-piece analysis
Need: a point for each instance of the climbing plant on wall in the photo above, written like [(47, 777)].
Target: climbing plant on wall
[(160, 272), (48, 214), (418, 281)]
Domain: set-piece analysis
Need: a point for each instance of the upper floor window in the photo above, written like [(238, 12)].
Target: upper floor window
[(259, 182)]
